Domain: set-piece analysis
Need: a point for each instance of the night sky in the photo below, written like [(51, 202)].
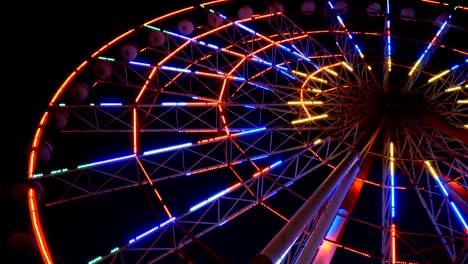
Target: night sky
[(43, 43)]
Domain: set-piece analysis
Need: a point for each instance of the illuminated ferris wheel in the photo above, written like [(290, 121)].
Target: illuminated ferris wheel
[(223, 132)]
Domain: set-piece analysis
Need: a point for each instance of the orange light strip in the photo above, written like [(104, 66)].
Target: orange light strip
[(112, 42), (221, 137), (209, 169), (242, 181), (169, 15), (35, 145), (445, 4), (348, 248), (380, 185), (393, 245), (46, 256), (154, 188), (274, 211), (266, 169), (146, 84), (212, 2)]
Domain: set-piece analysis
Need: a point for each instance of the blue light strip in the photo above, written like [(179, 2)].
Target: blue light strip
[(175, 69), (289, 75), (245, 132), (451, 69), (460, 217), (260, 86), (429, 46), (392, 180), (275, 164), (301, 56), (140, 64), (105, 161), (389, 47), (173, 103), (110, 104), (350, 36), (254, 57), (156, 151), (212, 198), (131, 241), (441, 186)]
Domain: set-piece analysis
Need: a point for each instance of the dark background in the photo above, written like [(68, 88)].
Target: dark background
[(42, 44)]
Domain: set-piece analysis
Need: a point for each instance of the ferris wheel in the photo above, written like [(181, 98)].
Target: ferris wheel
[(225, 132)]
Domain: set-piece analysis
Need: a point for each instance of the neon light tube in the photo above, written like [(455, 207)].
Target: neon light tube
[(392, 178), (106, 161), (389, 47), (106, 59), (214, 197), (140, 64), (260, 86), (429, 46), (110, 104), (156, 151), (298, 121), (436, 177), (350, 36), (438, 75), (175, 69), (347, 66), (393, 244), (95, 260), (131, 241), (460, 217), (188, 103), (452, 89), (268, 168), (305, 102), (35, 221)]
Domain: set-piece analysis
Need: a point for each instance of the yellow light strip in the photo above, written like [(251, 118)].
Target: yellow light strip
[(299, 73), (315, 90), (464, 101), (431, 169), (298, 121), (318, 141), (439, 75), (453, 89), (347, 66), (318, 79), (331, 71), (393, 245), (392, 159)]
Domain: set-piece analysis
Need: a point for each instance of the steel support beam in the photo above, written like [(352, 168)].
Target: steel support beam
[(296, 225), (326, 220)]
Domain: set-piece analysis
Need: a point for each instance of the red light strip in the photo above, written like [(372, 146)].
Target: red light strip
[(154, 188), (37, 227)]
